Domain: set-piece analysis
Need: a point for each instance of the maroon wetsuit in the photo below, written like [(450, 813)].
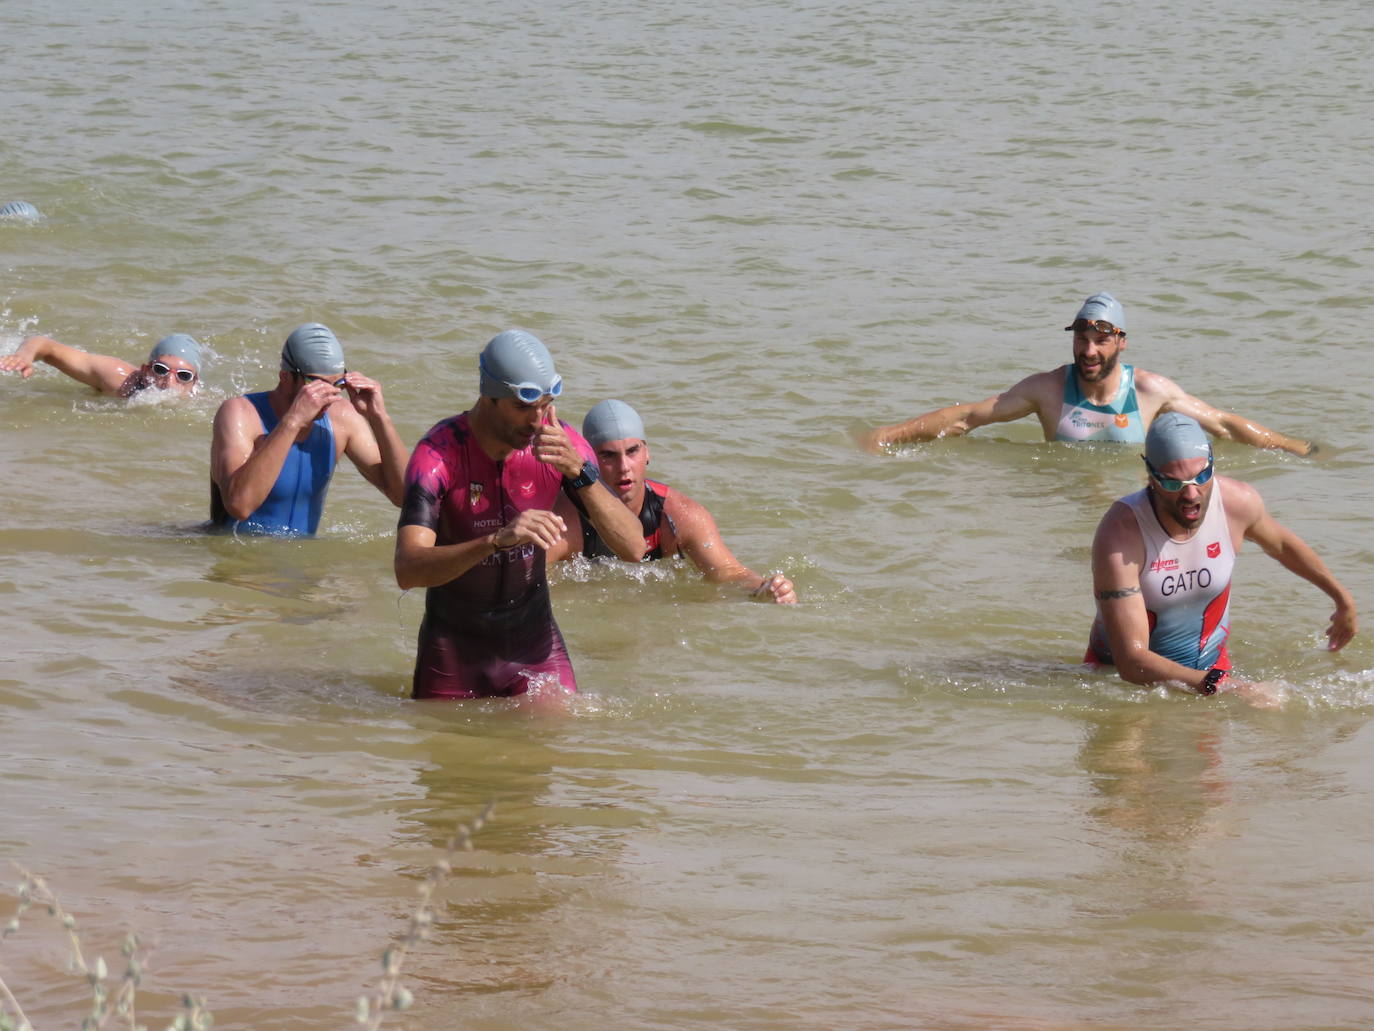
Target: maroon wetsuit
[(492, 629)]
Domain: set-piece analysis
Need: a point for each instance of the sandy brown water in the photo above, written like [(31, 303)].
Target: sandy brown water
[(903, 804)]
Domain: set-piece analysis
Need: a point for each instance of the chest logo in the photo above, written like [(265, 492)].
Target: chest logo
[(1123, 421), (1214, 549), (476, 501)]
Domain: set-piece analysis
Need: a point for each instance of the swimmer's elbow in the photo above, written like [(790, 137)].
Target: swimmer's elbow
[(633, 552), (237, 509), (1137, 672), (407, 575)]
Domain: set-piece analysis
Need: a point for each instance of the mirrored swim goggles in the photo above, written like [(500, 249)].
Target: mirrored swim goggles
[(1172, 485), (163, 369), (527, 392), (1101, 325)]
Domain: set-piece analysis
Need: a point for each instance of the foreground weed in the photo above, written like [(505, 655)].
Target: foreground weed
[(106, 1004), (118, 1002), (391, 996)]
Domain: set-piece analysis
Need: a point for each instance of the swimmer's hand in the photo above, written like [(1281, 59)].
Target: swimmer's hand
[(1342, 627), (776, 588), (874, 441), (17, 363), (365, 395), (311, 400), (1260, 693), (535, 526), (552, 447)]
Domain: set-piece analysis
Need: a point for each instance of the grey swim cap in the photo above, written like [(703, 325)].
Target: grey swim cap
[(19, 209), (177, 345), (1173, 437), (612, 420), (312, 350), (518, 359), (1102, 306)]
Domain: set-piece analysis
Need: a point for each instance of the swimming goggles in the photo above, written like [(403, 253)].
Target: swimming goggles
[(1172, 485), (527, 392), (163, 369), (1101, 325), (323, 377)]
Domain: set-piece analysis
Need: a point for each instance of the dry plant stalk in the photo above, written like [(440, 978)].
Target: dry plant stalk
[(34, 890), (391, 996)]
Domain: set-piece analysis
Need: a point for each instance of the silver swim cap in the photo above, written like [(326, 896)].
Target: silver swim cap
[(1173, 437), (517, 364), (20, 209), (177, 345), (312, 350), (612, 420), (1102, 306)]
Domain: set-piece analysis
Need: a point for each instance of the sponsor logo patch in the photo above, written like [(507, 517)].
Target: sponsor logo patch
[(1214, 549), (1123, 421), (1159, 565), (475, 500)]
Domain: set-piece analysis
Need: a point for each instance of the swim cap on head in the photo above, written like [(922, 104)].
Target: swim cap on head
[(19, 209), (1174, 436), (612, 420), (312, 350), (177, 345), (1102, 306), (515, 359)]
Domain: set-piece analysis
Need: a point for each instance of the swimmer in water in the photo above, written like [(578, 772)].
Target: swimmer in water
[(1162, 562), (20, 211), (670, 522), (273, 453), (173, 364), (1095, 398), (482, 490)]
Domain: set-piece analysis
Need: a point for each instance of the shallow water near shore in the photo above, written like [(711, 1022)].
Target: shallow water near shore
[(904, 804)]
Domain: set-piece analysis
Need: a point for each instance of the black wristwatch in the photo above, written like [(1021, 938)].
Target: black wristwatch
[(1212, 679), (589, 475)]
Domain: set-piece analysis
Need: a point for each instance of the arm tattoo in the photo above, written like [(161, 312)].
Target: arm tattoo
[(1125, 592)]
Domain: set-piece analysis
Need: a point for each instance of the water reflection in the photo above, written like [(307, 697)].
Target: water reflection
[(507, 920), (1158, 772)]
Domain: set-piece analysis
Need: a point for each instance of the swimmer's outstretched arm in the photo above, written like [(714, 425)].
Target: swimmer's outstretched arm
[(1297, 556), (100, 371), (699, 539), (1222, 425), (956, 420)]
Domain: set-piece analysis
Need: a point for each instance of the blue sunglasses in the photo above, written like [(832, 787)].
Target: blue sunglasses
[(1172, 485), (529, 393)]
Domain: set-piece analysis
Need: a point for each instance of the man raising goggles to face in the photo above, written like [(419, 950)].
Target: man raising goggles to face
[(489, 495), (274, 452), (1096, 397), (173, 364)]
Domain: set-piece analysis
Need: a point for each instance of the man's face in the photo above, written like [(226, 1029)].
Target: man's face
[(1095, 352), (168, 372), (515, 423), (622, 464), (1186, 506)]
